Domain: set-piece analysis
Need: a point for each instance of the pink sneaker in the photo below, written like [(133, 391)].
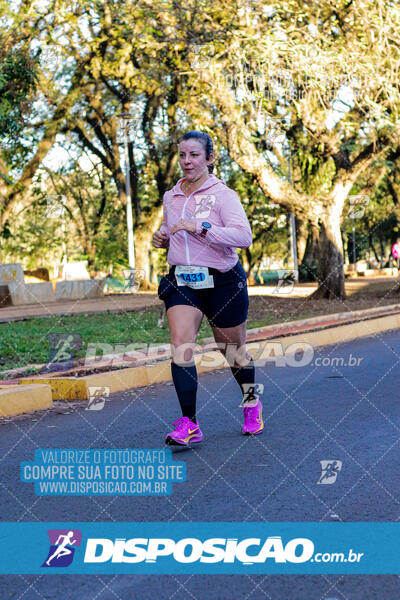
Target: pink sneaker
[(253, 421), (185, 432)]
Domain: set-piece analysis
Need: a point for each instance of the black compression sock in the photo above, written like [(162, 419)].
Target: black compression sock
[(185, 382), (244, 375)]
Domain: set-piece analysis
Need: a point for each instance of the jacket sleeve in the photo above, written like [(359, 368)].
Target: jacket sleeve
[(236, 230), (164, 226)]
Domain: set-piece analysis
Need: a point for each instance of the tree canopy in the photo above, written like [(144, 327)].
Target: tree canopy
[(267, 80)]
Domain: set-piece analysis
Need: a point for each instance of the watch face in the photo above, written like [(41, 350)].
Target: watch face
[(206, 225)]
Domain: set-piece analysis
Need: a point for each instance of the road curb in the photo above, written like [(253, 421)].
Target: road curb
[(77, 388), (73, 388), (15, 400), (328, 320), (162, 351), (336, 335)]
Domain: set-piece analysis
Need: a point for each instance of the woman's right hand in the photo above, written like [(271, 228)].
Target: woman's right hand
[(160, 240)]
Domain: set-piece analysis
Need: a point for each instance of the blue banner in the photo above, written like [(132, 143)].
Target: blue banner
[(205, 548), (99, 472)]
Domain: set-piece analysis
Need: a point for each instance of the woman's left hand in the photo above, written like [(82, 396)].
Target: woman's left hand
[(184, 225)]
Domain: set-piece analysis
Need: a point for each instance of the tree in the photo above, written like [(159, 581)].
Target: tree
[(377, 222), (95, 216), (269, 237), (238, 72), (286, 67), (30, 132)]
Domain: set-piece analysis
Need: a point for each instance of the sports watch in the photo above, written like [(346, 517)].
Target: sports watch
[(206, 226)]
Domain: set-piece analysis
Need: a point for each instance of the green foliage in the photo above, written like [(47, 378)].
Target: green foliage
[(18, 81), (28, 343), (139, 56), (379, 226), (32, 239), (317, 175)]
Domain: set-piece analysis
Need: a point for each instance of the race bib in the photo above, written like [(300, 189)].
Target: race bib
[(197, 278)]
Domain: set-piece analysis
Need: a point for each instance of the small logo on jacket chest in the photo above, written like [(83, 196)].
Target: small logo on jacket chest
[(204, 204)]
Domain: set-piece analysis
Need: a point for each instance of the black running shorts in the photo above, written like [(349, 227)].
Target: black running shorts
[(225, 305)]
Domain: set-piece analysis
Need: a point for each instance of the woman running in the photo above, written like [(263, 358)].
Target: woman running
[(203, 224)]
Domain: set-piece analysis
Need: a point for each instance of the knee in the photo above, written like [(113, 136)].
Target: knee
[(182, 352)]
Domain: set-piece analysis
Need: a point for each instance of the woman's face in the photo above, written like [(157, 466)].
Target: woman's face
[(192, 159)]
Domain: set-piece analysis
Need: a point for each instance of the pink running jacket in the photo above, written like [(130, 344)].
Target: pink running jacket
[(216, 203)]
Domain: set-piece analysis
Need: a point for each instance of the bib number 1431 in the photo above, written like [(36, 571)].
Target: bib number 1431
[(194, 277)]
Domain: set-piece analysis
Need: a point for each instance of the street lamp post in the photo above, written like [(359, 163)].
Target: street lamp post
[(293, 241), (64, 259), (354, 241), (125, 118)]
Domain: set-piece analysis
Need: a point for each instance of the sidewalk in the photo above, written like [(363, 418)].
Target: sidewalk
[(111, 302), (140, 300)]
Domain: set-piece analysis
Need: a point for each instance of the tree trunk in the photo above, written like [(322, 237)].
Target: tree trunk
[(310, 256), (143, 235), (248, 265), (371, 245), (301, 238), (142, 261), (382, 249), (330, 264)]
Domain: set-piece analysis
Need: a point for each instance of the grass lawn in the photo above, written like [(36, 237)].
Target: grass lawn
[(24, 343)]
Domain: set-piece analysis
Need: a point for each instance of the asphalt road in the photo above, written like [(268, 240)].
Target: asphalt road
[(311, 413)]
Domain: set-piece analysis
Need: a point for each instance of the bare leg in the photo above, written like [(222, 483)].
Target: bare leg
[(232, 342), (184, 323)]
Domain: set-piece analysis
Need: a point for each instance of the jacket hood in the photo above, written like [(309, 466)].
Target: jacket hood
[(209, 183)]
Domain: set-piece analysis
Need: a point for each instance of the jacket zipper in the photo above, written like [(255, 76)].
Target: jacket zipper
[(185, 232)]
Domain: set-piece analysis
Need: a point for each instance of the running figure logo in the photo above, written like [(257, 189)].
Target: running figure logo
[(63, 347), (286, 281), (251, 392), (62, 547), (97, 397), (204, 204), (329, 471)]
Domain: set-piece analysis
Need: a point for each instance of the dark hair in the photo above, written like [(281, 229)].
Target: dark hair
[(205, 139)]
